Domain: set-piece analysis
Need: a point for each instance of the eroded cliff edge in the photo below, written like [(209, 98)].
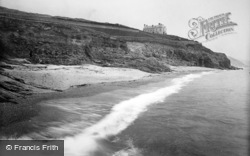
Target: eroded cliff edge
[(64, 41)]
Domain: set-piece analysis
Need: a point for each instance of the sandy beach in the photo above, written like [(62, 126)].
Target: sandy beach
[(46, 82), (63, 77)]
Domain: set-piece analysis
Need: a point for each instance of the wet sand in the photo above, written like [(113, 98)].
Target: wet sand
[(15, 117)]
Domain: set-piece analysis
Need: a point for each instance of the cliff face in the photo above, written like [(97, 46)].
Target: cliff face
[(53, 40)]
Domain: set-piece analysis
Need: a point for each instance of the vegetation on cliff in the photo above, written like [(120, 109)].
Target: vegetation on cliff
[(64, 41), (27, 39)]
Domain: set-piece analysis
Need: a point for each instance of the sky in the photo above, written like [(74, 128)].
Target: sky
[(174, 14)]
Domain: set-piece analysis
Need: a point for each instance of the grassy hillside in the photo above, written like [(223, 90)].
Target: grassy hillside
[(59, 40)]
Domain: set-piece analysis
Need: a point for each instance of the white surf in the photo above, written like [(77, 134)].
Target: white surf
[(121, 116)]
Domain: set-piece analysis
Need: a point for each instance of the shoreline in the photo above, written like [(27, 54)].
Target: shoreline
[(74, 90), (15, 117)]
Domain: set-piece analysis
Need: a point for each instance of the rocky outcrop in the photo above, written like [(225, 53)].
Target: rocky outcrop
[(65, 41)]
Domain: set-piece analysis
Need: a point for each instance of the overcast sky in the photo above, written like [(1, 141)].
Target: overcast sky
[(174, 14)]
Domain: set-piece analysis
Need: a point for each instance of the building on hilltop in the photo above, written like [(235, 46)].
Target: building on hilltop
[(155, 29)]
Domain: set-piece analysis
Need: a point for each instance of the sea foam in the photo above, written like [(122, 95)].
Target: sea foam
[(121, 116)]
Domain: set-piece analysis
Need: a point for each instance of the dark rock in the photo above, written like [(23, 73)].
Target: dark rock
[(14, 87)]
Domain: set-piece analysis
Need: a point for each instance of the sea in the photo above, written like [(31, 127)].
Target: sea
[(195, 114)]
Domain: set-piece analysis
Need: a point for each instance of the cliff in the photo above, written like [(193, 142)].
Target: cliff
[(65, 41)]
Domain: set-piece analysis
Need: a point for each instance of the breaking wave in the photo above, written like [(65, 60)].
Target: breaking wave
[(121, 116)]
